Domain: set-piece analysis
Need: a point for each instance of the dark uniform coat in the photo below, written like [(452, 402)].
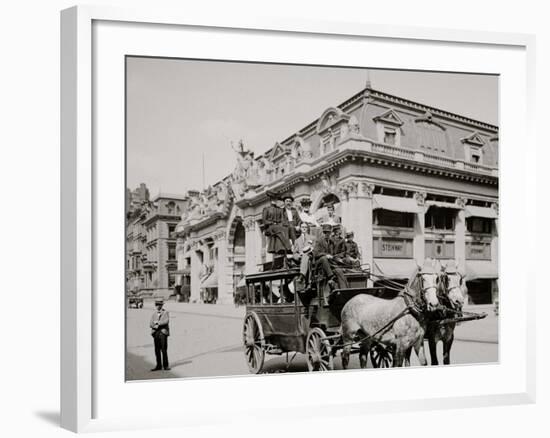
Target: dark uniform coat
[(352, 249), (275, 231), (338, 247)]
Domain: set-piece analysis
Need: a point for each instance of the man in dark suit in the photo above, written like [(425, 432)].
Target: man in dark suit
[(160, 330), (323, 254), (338, 243), (353, 257), (291, 218)]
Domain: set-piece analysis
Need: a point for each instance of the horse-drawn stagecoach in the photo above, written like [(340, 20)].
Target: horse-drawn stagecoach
[(384, 323)]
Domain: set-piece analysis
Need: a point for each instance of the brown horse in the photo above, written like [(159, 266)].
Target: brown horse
[(452, 294), (398, 323)]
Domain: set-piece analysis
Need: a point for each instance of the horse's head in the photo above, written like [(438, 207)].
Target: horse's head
[(454, 285), (429, 282)]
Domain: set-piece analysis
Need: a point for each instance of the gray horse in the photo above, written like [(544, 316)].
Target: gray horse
[(365, 316), (453, 292)]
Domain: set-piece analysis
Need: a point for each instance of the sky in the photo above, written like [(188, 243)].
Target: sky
[(181, 113)]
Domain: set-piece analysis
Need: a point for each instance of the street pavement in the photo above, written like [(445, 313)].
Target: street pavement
[(206, 341)]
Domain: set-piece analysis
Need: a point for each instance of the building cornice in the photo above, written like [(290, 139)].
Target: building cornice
[(329, 163)]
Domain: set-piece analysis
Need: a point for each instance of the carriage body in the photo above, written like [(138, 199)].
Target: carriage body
[(282, 318)]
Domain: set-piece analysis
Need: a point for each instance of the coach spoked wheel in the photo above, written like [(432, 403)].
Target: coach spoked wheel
[(318, 351), (254, 343), (381, 356)]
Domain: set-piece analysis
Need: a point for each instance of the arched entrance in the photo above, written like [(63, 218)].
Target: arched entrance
[(319, 207), (236, 254)]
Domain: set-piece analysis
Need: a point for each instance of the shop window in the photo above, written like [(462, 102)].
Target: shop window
[(437, 218), (479, 225), (478, 250), (388, 218), (440, 249)]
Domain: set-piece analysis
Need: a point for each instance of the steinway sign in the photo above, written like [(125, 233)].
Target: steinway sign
[(393, 247)]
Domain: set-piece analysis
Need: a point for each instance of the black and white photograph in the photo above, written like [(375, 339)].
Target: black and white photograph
[(287, 218)]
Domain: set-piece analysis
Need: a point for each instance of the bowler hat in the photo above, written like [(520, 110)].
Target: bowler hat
[(287, 196), (349, 234), (159, 301), (305, 201)]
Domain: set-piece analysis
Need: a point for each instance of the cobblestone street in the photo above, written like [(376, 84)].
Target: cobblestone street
[(206, 341)]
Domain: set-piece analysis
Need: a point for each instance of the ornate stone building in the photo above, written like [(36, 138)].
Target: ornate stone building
[(410, 180), (151, 244)]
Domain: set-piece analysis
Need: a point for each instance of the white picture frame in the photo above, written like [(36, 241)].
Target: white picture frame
[(82, 391)]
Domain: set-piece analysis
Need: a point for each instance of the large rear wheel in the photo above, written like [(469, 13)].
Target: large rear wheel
[(254, 343), (381, 356), (318, 351)]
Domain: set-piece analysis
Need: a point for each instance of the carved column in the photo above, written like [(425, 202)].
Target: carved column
[(360, 218), (195, 273), (343, 194), (257, 246), (460, 235), (224, 269), (419, 242), (250, 245)]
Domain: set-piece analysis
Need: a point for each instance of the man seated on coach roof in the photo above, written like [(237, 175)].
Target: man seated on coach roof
[(323, 255), (352, 257), (302, 250), (291, 218), (338, 243)]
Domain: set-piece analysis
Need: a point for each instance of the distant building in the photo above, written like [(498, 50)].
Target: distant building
[(151, 244), (411, 181), (135, 198)]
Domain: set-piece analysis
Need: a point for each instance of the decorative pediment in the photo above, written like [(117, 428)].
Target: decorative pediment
[(390, 117), (428, 118), (277, 151), (330, 117), (474, 139)]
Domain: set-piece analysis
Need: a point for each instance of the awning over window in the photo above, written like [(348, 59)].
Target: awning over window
[(474, 210), (442, 204), (242, 282), (394, 268), (395, 203), (210, 282), (478, 269)]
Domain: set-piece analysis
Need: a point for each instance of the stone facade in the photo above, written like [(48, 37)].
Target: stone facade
[(411, 181), (151, 244)]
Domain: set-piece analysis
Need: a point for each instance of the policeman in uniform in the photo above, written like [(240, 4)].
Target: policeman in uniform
[(160, 330)]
